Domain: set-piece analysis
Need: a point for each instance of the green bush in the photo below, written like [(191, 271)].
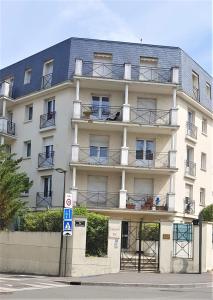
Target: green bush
[(150, 232), (97, 235), (207, 213)]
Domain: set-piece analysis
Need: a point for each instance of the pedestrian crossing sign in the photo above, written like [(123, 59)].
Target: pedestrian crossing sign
[(67, 226)]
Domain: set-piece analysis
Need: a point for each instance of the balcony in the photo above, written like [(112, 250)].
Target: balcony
[(146, 202), (7, 127), (191, 130), (101, 112), (47, 120), (189, 206), (196, 94), (46, 160), (190, 168), (150, 117), (5, 89), (152, 160), (96, 199), (126, 72), (46, 81), (44, 199), (105, 157)]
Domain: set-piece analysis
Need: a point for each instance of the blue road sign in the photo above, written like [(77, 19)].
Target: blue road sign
[(67, 214), (67, 226)]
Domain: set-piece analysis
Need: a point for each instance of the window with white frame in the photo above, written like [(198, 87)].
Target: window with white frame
[(204, 126), (203, 161), (48, 67), (148, 69), (208, 90), (29, 112), (27, 76), (102, 65), (202, 196), (27, 149), (195, 85)]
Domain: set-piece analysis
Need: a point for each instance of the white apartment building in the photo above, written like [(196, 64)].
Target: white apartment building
[(131, 124)]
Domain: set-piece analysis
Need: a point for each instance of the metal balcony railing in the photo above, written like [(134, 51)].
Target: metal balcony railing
[(146, 202), (103, 70), (189, 206), (150, 116), (191, 130), (7, 127), (190, 168), (46, 159), (101, 112), (147, 159), (109, 157), (44, 199), (47, 120), (46, 81), (196, 93), (151, 74), (93, 199)]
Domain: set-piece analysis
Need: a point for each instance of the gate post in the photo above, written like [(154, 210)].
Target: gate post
[(166, 244)]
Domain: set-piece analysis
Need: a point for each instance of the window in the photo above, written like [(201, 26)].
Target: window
[(27, 149), (47, 186), (29, 112), (195, 86), (208, 90), (188, 202), (202, 196), (48, 67), (27, 76), (10, 80), (100, 107), (99, 148), (47, 74), (204, 126), (203, 161)]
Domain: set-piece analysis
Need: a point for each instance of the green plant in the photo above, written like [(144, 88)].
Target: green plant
[(12, 184), (150, 232), (207, 213)]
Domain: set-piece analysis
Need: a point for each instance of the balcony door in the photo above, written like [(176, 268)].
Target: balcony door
[(100, 107), (47, 186), (145, 153), (102, 65), (99, 149), (143, 190), (48, 151), (146, 111), (97, 188), (148, 71)]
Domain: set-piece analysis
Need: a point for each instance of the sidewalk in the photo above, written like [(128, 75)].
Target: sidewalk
[(143, 280)]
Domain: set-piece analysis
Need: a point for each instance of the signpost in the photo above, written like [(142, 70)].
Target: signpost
[(67, 215)]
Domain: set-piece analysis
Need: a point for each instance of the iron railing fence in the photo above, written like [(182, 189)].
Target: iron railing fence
[(94, 199), (109, 157), (183, 240), (151, 74), (103, 70), (47, 120), (191, 130), (44, 199), (7, 126), (196, 93), (11, 128), (46, 159), (190, 168), (146, 201), (150, 116), (46, 81), (101, 112), (189, 205), (147, 159)]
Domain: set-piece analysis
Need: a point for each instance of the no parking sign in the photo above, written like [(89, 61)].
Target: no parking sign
[(68, 201)]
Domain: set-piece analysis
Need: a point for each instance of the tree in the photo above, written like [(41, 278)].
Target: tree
[(12, 184), (207, 213)]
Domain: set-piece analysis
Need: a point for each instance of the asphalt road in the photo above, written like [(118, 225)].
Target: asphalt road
[(41, 287)]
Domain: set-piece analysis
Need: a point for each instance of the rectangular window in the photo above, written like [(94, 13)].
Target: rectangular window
[(148, 71), (195, 86), (47, 74), (102, 65), (202, 196), (10, 80), (203, 161), (27, 76), (27, 149), (208, 90), (204, 126), (48, 67), (29, 112)]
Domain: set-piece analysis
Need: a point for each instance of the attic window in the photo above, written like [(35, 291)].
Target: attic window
[(148, 60), (103, 56)]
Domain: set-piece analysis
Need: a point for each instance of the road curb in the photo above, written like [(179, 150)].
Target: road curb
[(128, 284)]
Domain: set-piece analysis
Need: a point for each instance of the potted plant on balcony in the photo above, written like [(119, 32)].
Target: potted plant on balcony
[(87, 113), (130, 204)]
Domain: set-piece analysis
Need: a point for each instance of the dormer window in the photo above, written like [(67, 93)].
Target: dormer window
[(47, 74), (195, 86), (208, 90), (102, 65), (148, 71), (27, 76)]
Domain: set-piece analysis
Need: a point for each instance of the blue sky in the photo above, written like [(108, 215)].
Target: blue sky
[(28, 26)]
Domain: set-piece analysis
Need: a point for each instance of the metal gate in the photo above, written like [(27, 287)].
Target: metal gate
[(140, 245)]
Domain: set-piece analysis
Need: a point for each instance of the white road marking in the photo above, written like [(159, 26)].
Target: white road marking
[(8, 278)]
